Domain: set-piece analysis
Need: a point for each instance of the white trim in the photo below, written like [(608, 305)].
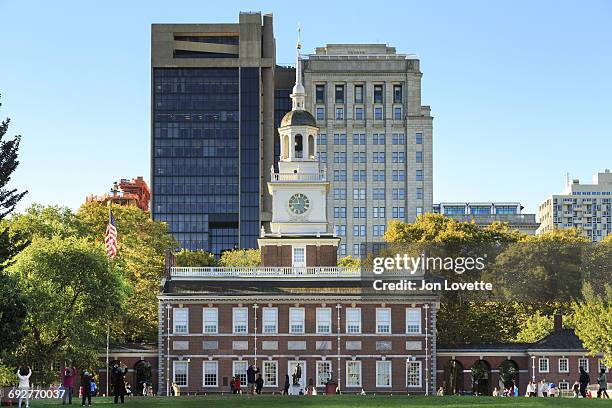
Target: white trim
[(346, 377), (390, 365), (320, 309), (263, 321), (331, 370), (303, 318), (387, 309), (204, 309), (174, 364), (346, 328), (235, 371), (540, 361), (293, 248), (263, 372), (174, 311), (420, 374), (559, 365), (411, 309), (216, 363), (246, 322), (587, 363)]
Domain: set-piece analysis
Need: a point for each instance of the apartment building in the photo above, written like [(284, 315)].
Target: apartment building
[(587, 207)]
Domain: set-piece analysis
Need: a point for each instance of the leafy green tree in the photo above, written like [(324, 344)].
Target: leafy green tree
[(142, 243), (463, 317), (349, 261), (73, 295), (195, 258), (593, 321), (12, 303), (535, 327), (241, 258)]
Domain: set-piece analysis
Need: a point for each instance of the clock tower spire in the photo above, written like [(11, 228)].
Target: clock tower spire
[(299, 228)]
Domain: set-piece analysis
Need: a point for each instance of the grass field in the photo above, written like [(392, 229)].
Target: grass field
[(369, 401)]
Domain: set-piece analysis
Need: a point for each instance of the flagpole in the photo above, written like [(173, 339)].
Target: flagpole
[(107, 352)]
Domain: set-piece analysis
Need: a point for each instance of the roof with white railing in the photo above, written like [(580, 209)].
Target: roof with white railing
[(265, 272)]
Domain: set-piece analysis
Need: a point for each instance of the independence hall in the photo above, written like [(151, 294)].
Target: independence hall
[(299, 308)]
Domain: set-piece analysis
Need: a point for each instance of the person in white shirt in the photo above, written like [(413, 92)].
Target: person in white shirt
[(24, 385), (543, 389)]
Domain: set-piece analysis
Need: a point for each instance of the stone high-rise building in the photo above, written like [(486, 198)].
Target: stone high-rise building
[(375, 138)]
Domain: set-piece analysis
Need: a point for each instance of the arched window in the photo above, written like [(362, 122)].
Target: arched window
[(285, 147), (299, 147), (311, 147)]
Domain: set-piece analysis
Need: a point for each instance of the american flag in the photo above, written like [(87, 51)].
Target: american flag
[(111, 236)]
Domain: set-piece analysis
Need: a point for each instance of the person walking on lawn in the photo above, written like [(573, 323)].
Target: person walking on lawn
[(584, 381), (252, 371), (86, 384), (68, 375), (119, 382), (603, 385)]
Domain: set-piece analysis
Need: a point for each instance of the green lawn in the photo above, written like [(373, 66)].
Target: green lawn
[(369, 401)]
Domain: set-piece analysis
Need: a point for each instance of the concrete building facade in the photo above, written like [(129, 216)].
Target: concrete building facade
[(587, 207), (212, 130), (486, 213), (375, 138)]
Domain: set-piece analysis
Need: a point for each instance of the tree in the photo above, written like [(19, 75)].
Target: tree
[(535, 327), (463, 317), (12, 303), (593, 321), (349, 261), (195, 258), (142, 243), (241, 258), (73, 295)]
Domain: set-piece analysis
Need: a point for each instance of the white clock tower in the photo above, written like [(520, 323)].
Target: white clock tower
[(299, 190)]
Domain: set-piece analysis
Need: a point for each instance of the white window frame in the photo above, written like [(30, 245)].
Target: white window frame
[(204, 321), (564, 386), (388, 364), (242, 372), (327, 363), (216, 365), (566, 360), (414, 363), (378, 321), (263, 320), (174, 320), (234, 310), (263, 372), (409, 323), (319, 320), (291, 322), (293, 251), (174, 365), (543, 360), (587, 363), (358, 364), (348, 312)]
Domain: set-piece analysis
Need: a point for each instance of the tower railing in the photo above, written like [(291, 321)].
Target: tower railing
[(321, 176), (265, 272)]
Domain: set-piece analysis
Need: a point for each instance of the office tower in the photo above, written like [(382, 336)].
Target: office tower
[(584, 206), (486, 213), (375, 138), (212, 130)]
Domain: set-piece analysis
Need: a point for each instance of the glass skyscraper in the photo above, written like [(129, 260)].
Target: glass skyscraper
[(212, 130)]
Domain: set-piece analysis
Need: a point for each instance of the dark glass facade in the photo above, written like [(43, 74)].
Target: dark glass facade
[(249, 157), (195, 166)]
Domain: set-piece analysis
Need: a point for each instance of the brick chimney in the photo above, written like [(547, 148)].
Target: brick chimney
[(558, 319)]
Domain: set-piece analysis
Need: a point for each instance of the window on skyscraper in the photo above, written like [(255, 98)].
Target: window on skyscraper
[(339, 94), (378, 94), (397, 93), (320, 93), (358, 93)]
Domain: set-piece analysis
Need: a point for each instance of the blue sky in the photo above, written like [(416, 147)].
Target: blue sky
[(520, 90)]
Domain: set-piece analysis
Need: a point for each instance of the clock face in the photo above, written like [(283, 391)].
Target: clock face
[(299, 203)]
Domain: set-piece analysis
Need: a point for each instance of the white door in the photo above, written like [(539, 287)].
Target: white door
[(299, 257), (291, 370)]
